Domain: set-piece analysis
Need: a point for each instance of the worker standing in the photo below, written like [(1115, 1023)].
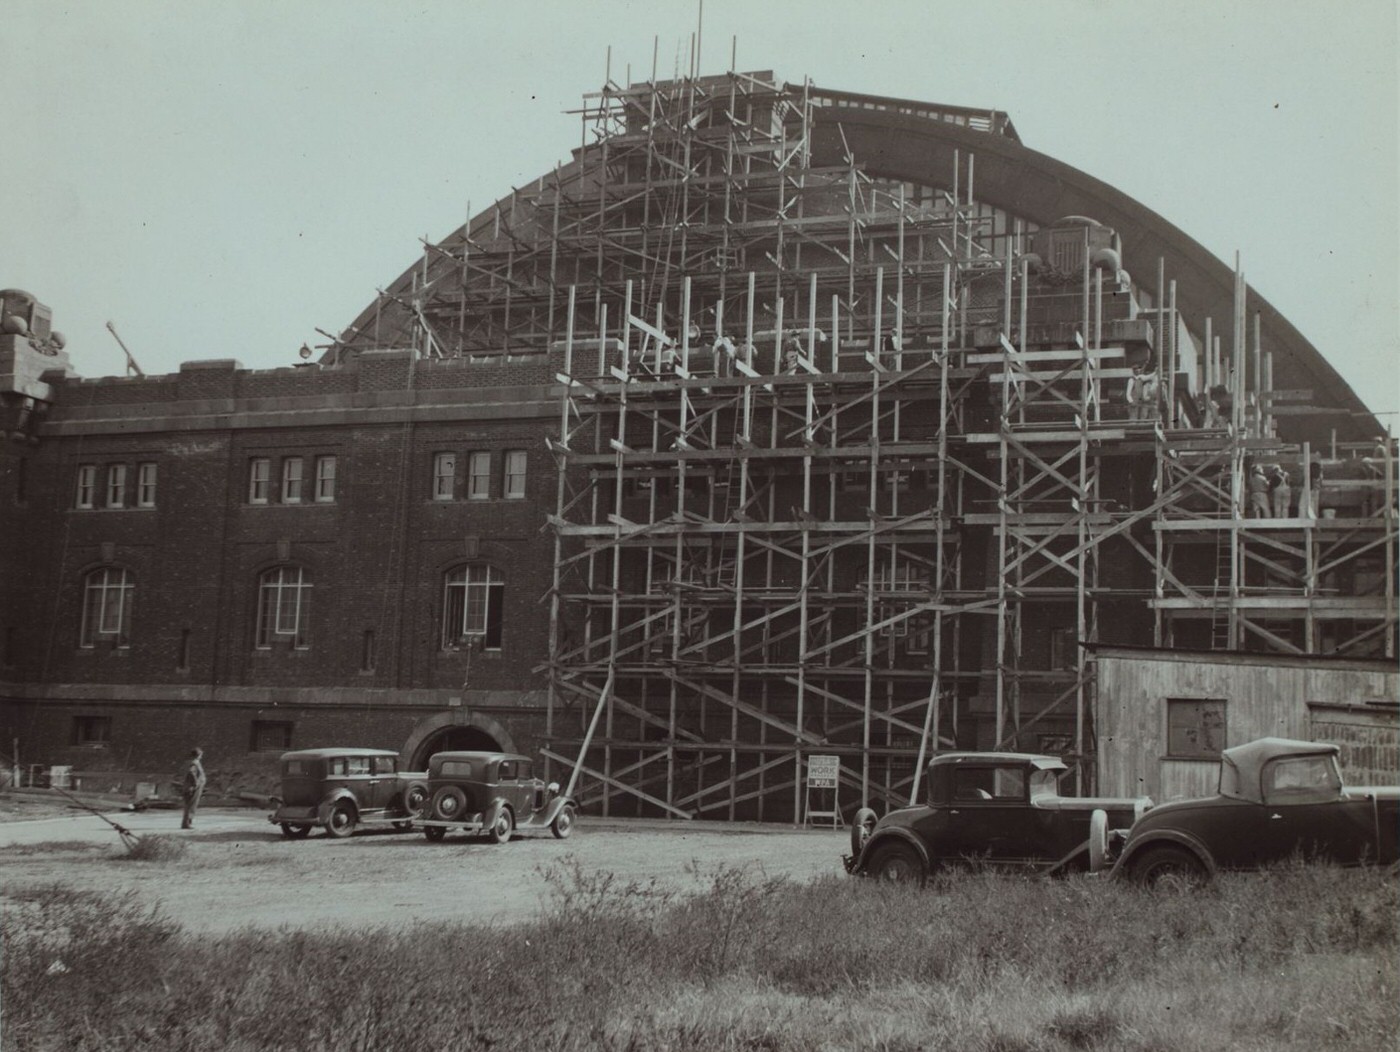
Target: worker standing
[(1281, 491), (1258, 486), (193, 787)]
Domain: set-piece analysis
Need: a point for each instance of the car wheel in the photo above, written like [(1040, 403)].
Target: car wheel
[(1169, 868), (563, 823), (861, 827), (449, 803), (434, 833), (342, 820), (415, 799), (898, 864), (294, 832), (501, 828)]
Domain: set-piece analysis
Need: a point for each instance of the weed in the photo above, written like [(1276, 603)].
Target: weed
[(154, 847)]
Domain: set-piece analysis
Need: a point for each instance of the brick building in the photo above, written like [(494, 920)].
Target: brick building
[(769, 426)]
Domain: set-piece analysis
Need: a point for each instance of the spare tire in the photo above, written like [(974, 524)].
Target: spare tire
[(1098, 839), (449, 803), (414, 799), (862, 825)]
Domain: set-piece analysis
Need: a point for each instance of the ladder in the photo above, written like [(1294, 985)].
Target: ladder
[(1220, 613)]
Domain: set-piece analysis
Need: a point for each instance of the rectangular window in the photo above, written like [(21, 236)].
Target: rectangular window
[(291, 480), (106, 608), (146, 485), (515, 474), (259, 476), (325, 480), (271, 736), (479, 476), (284, 601), (1195, 728), (87, 482), (92, 730), (1062, 647), (116, 485), (444, 476)]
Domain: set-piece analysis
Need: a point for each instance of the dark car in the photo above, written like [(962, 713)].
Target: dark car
[(492, 793), (1002, 809), (340, 789), (1277, 798)]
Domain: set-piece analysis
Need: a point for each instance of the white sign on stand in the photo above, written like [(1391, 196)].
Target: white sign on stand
[(824, 779)]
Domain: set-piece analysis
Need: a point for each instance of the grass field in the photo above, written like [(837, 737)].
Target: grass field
[(1303, 957)]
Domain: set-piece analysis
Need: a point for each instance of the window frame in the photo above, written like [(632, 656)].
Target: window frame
[(116, 486), (293, 479), (86, 492), (259, 480), (267, 628), (479, 475), (260, 729), (444, 485), (461, 612), (1204, 751), (325, 479), (147, 476), (91, 632), (84, 727), (509, 489)]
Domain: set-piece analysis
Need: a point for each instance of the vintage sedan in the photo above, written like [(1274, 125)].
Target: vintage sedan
[(492, 794), (342, 789), (1277, 799), (1001, 809)]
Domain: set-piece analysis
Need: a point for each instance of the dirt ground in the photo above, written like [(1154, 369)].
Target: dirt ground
[(238, 871)]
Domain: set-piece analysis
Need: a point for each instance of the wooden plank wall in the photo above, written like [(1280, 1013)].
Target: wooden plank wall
[(1262, 700)]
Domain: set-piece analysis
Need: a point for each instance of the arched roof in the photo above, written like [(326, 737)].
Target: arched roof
[(1039, 188), (915, 142)]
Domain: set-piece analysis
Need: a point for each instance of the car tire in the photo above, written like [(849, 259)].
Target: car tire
[(898, 864), (294, 832), (342, 820), (563, 823), (449, 803), (434, 833), (861, 827), (1169, 867), (501, 828), (1098, 839), (415, 799)]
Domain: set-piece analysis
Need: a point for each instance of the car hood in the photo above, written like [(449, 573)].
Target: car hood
[(1380, 792)]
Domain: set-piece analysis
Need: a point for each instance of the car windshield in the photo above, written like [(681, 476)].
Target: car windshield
[(1044, 783), (1302, 779)]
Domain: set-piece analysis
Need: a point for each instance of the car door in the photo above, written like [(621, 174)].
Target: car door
[(384, 784), (1307, 814), (360, 779), (989, 815)]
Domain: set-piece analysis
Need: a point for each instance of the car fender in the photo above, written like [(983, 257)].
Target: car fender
[(884, 836), (323, 809), (1157, 838), (551, 810), (493, 812)]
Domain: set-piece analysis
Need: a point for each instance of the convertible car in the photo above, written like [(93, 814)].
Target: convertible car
[(1277, 798)]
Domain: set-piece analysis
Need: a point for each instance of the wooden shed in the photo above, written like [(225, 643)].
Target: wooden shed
[(1163, 716)]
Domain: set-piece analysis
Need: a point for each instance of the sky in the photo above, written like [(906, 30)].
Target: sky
[(219, 180)]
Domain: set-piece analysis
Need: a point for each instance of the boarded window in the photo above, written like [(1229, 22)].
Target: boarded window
[(1195, 728)]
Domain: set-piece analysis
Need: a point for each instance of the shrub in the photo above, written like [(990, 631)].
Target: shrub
[(154, 847)]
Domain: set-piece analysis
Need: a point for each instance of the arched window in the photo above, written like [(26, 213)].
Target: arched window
[(107, 607), (284, 605), (471, 606)]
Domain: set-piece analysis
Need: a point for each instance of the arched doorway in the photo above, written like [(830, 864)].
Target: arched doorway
[(451, 732)]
